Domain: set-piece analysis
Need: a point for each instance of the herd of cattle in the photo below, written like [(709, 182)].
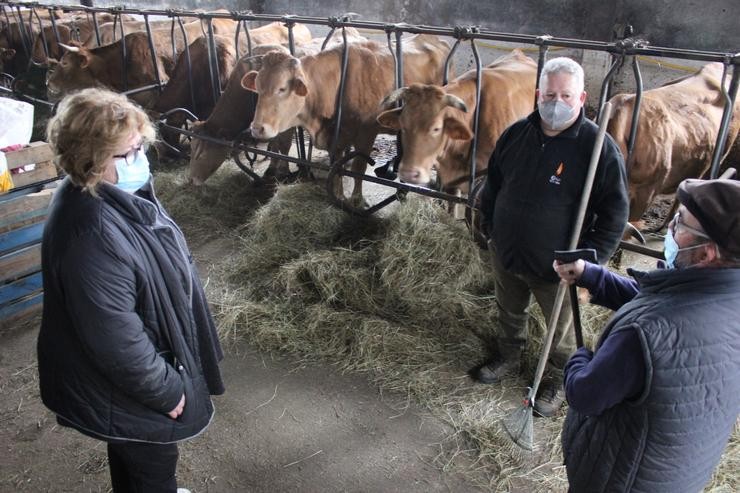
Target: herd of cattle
[(269, 91)]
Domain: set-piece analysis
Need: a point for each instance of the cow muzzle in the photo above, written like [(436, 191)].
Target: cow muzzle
[(262, 131), (414, 175)]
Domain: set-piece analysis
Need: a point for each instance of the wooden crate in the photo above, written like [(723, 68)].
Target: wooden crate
[(23, 210)]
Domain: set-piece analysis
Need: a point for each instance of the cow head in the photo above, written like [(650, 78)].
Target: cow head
[(6, 55), (281, 86), (430, 121), (73, 72)]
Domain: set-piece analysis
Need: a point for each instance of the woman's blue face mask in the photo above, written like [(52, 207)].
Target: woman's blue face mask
[(132, 169)]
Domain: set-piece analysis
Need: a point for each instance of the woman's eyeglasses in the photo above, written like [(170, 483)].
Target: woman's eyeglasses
[(131, 155)]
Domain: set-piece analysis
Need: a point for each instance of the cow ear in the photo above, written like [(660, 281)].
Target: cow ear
[(456, 129), (248, 81), (299, 87), (85, 57), (391, 118)]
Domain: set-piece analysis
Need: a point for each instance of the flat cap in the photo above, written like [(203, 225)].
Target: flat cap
[(716, 204)]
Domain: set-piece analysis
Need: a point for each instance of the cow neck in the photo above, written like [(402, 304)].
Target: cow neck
[(322, 72), (234, 110), (105, 65), (464, 90)]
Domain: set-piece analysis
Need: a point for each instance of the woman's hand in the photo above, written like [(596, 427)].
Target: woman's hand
[(175, 413), (571, 272)]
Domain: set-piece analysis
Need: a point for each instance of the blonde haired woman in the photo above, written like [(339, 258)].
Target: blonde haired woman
[(128, 351)]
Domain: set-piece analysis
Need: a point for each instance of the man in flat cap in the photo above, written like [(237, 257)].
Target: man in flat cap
[(652, 408)]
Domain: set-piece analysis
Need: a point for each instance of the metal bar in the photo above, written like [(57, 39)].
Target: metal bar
[(152, 50), (124, 67), (249, 38), (54, 26), (635, 111), (97, 27), (213, 63), (41, 34), (446, 78), (327, 38), (137, 90), (540, 63), (616, 62), (608, 47), (22, 32), (633, 247), (476, 120), (729, 97), (189, 64), (340, 98)]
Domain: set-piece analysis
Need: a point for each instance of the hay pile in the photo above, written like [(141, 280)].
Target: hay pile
[(406, 300)]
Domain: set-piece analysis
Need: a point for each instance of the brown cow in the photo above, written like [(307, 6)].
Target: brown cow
[(110, 32), (437, 122), (676, 134), (83, 67), (230, 117), (78, 28), (234, 111), (177, 92), (303, 92)]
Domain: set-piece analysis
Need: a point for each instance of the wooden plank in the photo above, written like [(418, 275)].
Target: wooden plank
[(20, 263), (20, 288), (35, 152), (29, 206), (21, 237), (44, 170), (14, 193), (10, 314)]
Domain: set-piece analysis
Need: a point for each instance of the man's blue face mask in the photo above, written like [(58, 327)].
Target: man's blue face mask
[(132, 169), (670, 246)]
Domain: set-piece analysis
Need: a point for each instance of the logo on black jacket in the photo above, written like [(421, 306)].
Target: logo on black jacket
[(555, 178)]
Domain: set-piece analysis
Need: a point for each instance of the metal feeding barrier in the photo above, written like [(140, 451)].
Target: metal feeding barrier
[(620, 51)]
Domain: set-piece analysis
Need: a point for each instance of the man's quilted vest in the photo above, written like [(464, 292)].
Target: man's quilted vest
[(672, 436)]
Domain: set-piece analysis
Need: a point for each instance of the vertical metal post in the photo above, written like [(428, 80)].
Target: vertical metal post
[(476, 118), (616, 61), (299, 133), (340, 97), (540, 63), (729, 97), (152, 50), (97, 27), (635, 110), (446, 77), (213, 62)]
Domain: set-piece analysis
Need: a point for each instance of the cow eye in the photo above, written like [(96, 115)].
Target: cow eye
[(282, 90), (436, 130)]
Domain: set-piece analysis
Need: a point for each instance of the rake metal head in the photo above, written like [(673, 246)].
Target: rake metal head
[(519, 425)]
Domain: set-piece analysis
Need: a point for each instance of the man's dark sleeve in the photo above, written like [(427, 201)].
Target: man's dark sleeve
[(609, 204), (607, 289), (595, 383)]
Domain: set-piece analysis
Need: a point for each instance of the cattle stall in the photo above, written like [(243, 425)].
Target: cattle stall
[(466, 44)]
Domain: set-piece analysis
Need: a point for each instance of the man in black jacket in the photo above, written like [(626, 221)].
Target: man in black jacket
[(535, 181)]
